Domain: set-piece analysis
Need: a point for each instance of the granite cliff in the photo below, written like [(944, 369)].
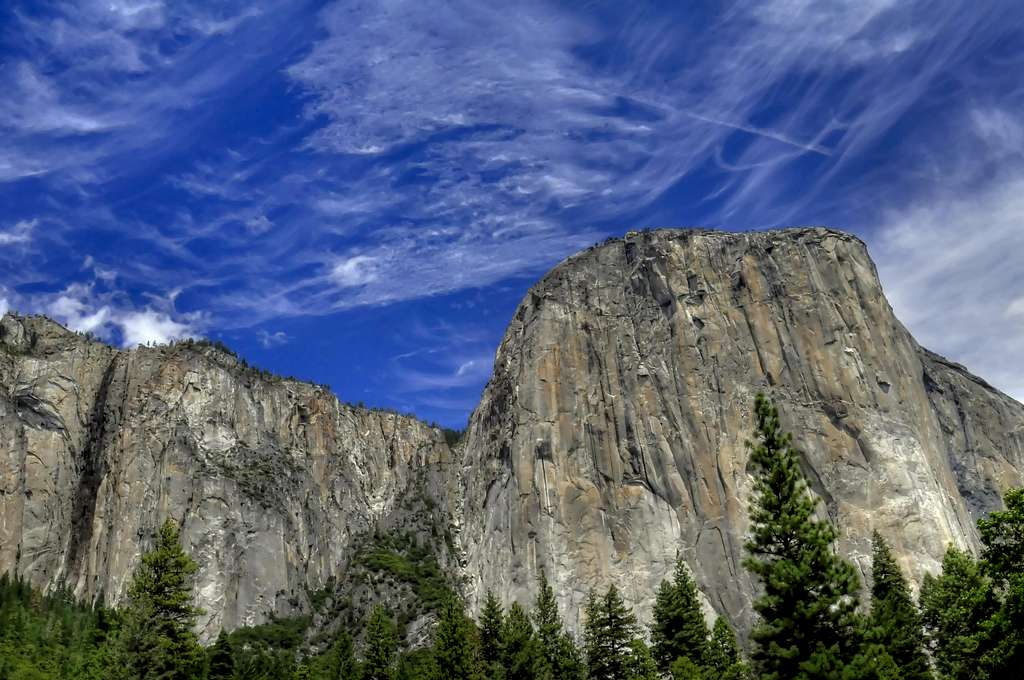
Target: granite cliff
[(609, 438), (612, 432)]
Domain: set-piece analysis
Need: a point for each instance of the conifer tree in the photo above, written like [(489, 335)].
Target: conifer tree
[(158, 640), (342, 664), (684, 668), (557, 656), (491, 617), (723, 654), (222, 660), (609, 632), (808, 627), (679, 627), (379, 658), (517, 644), (895, 623), (456, 648), (1002, 534), (957, 608), (641, 662)]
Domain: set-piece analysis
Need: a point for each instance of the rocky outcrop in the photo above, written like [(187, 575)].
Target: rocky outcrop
[(270, 478), (611, 434), (610, 437)]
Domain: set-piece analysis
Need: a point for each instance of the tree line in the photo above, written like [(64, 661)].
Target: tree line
[(966, 624)]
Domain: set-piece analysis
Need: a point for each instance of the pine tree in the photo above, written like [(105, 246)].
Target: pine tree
[(381, 645), (679, 627), (517, 645), (341, 663), (158, 640), (895, 623), (609, 632), (491, 617), (222, 660), (1002, 534), (957, 608), (723, 654), (808, 626), (456, 648), (558, 658), (684, 668), (641, 662)]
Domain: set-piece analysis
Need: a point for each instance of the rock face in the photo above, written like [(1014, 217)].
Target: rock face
[(270, 478), (611, 434)]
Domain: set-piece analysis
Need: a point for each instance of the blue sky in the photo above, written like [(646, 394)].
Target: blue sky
[(359, 193)]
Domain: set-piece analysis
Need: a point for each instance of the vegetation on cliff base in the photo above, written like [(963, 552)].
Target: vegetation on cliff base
[(968, 623)]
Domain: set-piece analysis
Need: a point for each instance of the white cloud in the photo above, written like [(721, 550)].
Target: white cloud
[(74, 309), (4, 306), (21, 232), (953, 270), (150, 327), (275, 339), (355, 271), (259, 224)]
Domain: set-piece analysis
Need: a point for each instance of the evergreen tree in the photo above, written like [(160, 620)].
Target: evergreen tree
[(341, 663), (222, 660), (609, 632), (957, 609), (491, 617), (723, 654), (517, 645), (679, 627), (684, 668), (808, 626), (1002, 534), (895, 623), (557, 657), (158, 640), (641, 662), (456, 648), (381, 646)]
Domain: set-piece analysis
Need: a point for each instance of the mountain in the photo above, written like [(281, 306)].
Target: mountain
[(610, 436)]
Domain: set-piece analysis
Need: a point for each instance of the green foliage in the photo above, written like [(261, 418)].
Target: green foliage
[(641, 662), (722, 659), (158, 638), (456, 647), (518, 647), (222, 659), (957, 608), (609, 632), (380, 654), (52, 636), (557, 657), (400, 556), (808, 627), (679, 627), (895, 623), (339, 662), (1002, 534), (491, 618), (684, 668)]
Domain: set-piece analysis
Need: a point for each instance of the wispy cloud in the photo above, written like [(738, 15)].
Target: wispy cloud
[(21, 232), (953, 270)]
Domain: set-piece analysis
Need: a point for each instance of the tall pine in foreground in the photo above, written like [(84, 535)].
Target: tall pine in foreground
[(222, 659), (557, 655), (491, 617), (381, 646), (808, 626), (722, 660), (895, 623), (609, 632), (456, 647), (518, 646), (957, 608), (679, 628), (1002, 534), (157, 641)]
